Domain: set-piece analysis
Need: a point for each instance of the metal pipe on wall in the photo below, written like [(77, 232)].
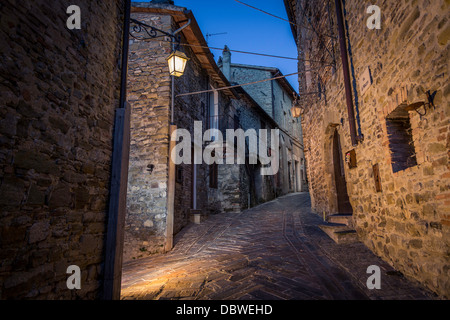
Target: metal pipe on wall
[(119, 178), (171, 165), (345, 69)]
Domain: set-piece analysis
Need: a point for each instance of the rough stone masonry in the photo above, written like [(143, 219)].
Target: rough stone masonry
[(399, 185), (58, 92)]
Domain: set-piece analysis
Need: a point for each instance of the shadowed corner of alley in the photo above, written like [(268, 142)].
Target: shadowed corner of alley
[(275, 251)]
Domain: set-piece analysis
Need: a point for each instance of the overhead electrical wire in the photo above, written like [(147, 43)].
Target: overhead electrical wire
[(239, 51), (253, 53), (245, 84), (302, 8), (272, 15), (301, 26), (236, 85), (231, 50), (248, 52)]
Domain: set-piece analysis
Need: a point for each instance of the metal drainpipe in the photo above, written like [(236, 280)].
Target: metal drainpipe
[(345, 69), (125, 45), (117, 197), (360, 136), (171, 170)]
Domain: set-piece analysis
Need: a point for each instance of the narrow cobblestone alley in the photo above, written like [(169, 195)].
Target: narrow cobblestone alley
[(272, 251)]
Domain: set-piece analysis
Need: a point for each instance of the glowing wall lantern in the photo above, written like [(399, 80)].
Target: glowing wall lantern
[(296, 111), (177, 63)]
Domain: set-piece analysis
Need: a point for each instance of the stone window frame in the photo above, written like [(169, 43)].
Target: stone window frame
[(398, 98), (401, 144)]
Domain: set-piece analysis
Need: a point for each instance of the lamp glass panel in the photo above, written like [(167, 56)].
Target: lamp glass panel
[(295, 112), (177, 64)]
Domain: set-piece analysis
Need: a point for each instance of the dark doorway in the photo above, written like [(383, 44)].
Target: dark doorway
[(193, 181), (343, 201)]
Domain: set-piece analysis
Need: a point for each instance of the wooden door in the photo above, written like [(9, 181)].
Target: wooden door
[(344, 205)]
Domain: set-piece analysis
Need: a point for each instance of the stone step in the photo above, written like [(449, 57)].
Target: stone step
[(343, 218), (333, 226), (340, 233), (346, 236)]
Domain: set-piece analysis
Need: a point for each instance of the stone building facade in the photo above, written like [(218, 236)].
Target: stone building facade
[(200, 189), (248, 115), (149, 87), (275, 97), (58, 95), (379, 139)]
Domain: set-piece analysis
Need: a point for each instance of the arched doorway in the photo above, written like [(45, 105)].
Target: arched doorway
[(343, 202)]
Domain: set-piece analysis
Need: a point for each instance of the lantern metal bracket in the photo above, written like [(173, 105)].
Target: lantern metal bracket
[(430, 104), (142, 31)]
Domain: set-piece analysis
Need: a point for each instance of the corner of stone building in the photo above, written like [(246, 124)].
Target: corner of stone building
[(149, 95)]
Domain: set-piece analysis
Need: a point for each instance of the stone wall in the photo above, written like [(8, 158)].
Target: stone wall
[(189, 109), (407, 221), (276, 101), (149, 96), (271, 96), (252, 184), (260, 92), (292, 138), (283, 104), (59, 90)]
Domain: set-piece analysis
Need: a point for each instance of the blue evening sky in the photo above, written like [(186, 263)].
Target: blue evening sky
[(247, 30)]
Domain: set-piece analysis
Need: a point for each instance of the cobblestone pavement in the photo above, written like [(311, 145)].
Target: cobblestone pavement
[(272, 251)]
